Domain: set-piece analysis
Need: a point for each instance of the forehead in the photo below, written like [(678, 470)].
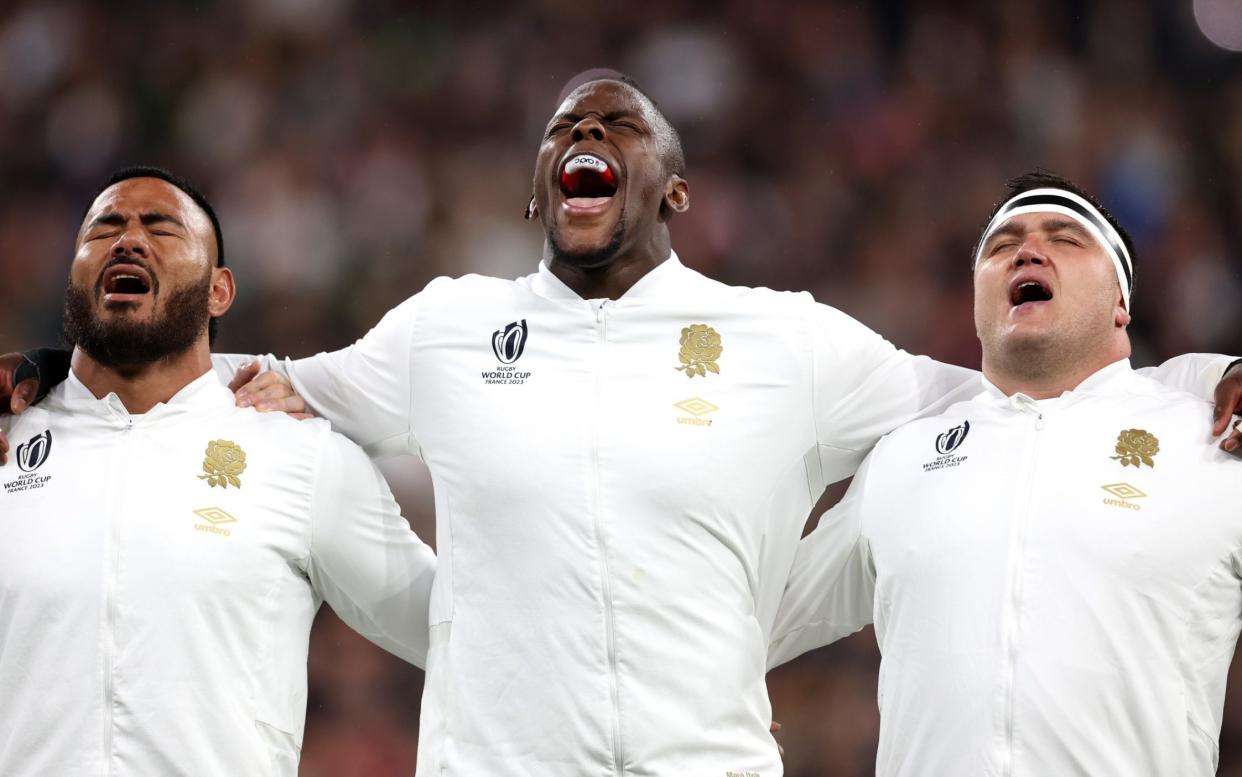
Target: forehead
[(136, 195), (604, 97)]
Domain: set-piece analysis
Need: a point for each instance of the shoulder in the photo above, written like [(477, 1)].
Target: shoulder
[(1142, 388), (287, 441), (445, 292)]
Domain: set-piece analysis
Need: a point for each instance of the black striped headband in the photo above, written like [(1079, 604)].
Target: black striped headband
[(1069, 204)]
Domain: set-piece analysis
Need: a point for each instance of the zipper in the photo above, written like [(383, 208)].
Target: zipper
[(601, 339), (110, 573), (1014, 585)]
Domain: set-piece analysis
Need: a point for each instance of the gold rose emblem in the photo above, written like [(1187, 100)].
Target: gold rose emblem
[(700, 348), (1136, 447), (224, 462)]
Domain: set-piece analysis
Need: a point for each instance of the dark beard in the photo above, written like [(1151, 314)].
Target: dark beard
[(120, 344), (591, 259)]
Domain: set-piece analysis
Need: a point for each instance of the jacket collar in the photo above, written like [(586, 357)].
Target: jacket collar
[(203, 393), (1104, 380), (662, 281)]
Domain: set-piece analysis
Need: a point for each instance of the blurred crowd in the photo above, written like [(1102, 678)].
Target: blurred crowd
[(356, 150)]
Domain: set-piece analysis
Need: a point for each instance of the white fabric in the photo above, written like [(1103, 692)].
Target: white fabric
[(1033, 622), (140, 638), (609, 563)]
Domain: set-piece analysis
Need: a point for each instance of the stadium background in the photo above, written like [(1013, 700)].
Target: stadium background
[(357, 150)]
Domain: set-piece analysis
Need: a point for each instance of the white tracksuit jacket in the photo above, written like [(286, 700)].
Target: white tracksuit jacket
[(613, 532), (152, 623), (1056, 584)]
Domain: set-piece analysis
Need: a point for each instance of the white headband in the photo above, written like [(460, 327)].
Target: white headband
[(1075, 207)]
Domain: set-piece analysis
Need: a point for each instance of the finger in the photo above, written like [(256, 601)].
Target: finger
[(1233, 442), (4, 449), (244, 375), (291, 404), (23, 395), (269, 393), (302, 416), (775, 727), (248, 394), (1222, 413)]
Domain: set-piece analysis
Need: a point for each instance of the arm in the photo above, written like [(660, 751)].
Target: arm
[(831, 585), (865, 388), (364, 390), (365, 561)]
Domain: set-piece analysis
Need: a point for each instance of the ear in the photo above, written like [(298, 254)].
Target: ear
[(1121, 316), (532, 210), (676, 196), (223, 291)]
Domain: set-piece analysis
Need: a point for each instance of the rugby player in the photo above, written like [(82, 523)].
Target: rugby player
[(624, 453), (1054, 567), (164, 551)]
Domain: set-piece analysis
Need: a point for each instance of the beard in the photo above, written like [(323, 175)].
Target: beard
[(125, 343), (590, 259)]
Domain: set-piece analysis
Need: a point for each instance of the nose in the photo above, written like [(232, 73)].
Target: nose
[(588, 128), (131, 243), (1030, 252)]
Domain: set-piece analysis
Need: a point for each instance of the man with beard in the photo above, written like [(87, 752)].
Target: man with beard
[(165, 551), (624, 453), (1054, 567)]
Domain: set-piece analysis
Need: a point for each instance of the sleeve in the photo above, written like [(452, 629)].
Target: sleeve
[(865, 388), (831, 585), (1194, 373), (364, 390), (365, 561), (226, 365)]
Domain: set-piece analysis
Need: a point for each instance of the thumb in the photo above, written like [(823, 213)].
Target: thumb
[(244, 375), (23, 395)]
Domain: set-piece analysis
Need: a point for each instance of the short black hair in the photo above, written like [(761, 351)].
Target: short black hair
[(1046, 179), (675, 159), (150, 171)]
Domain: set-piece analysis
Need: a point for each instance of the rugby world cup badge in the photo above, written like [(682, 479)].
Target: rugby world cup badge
[(30, 456), (508, 345), (947, 443)]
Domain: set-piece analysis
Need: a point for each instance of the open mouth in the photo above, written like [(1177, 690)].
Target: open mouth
[(587, 181), (1022, 292), (126, 283)]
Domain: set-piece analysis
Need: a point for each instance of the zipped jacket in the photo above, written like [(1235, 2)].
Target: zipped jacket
[(159, 574), (1056, 584)]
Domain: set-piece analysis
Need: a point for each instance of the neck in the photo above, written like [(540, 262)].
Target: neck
[(143, 386), (614, 278), (1019, 374)]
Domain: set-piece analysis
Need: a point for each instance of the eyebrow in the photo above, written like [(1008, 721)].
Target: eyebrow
[(1012, 229), (114, 219), (610, 116)]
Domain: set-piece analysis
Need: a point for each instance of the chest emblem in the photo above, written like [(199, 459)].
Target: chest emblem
[(225, 461), (1136, 447), (700, 348)]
